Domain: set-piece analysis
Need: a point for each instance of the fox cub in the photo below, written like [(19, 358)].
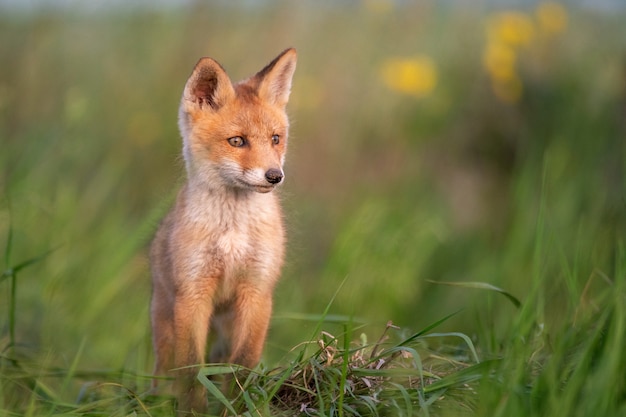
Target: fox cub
[(218, 254)]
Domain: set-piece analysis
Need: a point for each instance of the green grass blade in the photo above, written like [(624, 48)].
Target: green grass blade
[(8, 248), (320, 393), (325, 318), (12, 307), (481, 286), (73, 366), (327, 309), (203, 375), (34, 260), (388, 372), (467, 340), (285, 375), (408, 403), (249, 403), (344, 366), (464, 376), (427, 329)]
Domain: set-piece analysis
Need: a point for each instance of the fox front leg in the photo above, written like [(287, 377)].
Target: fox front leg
[(191, 318), (251, 313)]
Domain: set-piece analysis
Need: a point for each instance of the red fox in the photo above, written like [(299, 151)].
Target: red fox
[(217, 255)]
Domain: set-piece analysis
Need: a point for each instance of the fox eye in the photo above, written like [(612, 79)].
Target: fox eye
[(236, 141), (275, 139)]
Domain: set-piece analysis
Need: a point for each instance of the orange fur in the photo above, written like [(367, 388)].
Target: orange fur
[(217, 255)]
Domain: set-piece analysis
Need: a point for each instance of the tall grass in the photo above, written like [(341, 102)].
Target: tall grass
[(493, 222)]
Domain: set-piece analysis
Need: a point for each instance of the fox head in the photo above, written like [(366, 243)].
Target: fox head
[(235, 135)]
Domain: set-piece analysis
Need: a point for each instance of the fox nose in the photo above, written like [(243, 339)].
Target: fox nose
[(274, 176)]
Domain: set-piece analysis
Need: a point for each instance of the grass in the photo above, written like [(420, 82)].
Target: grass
[(576, 369), (486, 223), (353, 379)]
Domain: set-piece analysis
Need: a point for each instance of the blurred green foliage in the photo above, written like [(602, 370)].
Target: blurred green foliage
[(389, 185)]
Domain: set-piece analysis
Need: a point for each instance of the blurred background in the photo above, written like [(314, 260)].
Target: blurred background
[(431, 141)]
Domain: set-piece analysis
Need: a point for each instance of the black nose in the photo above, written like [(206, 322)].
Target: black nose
[(274, 176)]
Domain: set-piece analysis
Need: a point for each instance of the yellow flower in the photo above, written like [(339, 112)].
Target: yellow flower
[(511, 28), (499, 59), (415, 76), (552, 17)]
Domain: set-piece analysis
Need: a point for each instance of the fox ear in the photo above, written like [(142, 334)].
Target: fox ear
[(275, 79), (208, 86)]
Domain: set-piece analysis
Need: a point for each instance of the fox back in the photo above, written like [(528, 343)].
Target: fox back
[(217, 255)]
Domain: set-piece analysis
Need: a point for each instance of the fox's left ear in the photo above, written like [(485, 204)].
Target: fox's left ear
[(275, 78)]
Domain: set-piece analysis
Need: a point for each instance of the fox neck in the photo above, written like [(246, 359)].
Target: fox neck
[(211, 186), (226, 206)]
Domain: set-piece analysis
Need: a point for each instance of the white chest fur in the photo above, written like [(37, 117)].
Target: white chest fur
[(237, 236)]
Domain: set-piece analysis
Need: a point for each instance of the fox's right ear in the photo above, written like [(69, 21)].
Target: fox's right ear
[(207, 87)]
